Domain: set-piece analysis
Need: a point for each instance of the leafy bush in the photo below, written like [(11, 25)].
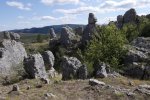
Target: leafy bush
[(107, 46), (146, 30), (131, 31)]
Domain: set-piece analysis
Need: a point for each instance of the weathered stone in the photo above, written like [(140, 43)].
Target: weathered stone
[(14, 36), (82, 72), (119, 21), (6, 35), (49, 58), (52, 33), (142, 43), (51, 73), (135, 56), (92, 19), (130, 16), (34, 66), (46, 81), (66, 36), (94, 82), (15, 87), (70, 66), (100, 70), (12, 54), (144, 86), (89, 30), (137, 59), (135, 70)]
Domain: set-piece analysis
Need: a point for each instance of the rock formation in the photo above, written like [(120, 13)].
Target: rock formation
[(82, 72), (89, 30), (52, 33), (34, 66), (137, 59), (71, 68), (49, 58), (66, 36), (100, 70), (11, 36), (119, 21), (130, 16), (12, 54)]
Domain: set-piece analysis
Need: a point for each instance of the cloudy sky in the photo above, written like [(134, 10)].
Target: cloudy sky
[(18, 14)]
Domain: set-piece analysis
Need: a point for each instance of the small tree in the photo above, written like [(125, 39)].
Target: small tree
[(39, 38), (108, 46)]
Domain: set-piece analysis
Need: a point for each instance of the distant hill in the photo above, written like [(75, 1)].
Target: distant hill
[(45, 30)]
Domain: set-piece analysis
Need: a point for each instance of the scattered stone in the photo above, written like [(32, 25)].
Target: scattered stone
[(94, 82), (46, 81), (52, 33), (131, 94), (28, 87), (39, 86), (131, 83), (100, 70), (52, 73), (145, 86), (15, 87), (50, 95), (34, 66)]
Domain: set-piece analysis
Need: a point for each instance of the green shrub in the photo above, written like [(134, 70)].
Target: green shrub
[(131, 31), (108, 46)]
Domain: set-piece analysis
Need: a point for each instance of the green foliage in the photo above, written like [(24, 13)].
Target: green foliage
[(131, 31), (39, 38), (107, 46), (146, 30)]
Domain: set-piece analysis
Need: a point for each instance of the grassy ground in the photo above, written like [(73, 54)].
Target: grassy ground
[(73, 90)]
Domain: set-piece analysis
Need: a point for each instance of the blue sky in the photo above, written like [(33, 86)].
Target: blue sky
[(19, 14)]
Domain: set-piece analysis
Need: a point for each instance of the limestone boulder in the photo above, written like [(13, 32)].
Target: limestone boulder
[(34, 66), (12, 54)]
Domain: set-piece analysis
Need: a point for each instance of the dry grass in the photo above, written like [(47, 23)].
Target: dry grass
[(72, 90)]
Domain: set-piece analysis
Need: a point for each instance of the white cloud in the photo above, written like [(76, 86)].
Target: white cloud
[(87, 9), (48, 18), (120, 4), (20, 17), (50, 2), (24, 22), (107, 6), (19, 5)]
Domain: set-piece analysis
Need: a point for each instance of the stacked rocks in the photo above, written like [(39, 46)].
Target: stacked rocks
[(89, 30)]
